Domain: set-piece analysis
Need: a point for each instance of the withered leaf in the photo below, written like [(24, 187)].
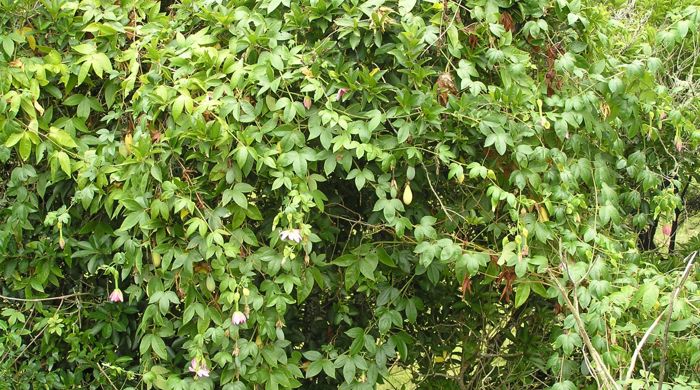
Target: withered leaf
[(445, 87)]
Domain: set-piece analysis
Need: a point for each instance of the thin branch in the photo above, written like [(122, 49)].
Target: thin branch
[(41, 332), (599, 366), (62, 297), (630, 371), (594, 372), (106, 376), (677, 291), (427, 175), (637, 350)]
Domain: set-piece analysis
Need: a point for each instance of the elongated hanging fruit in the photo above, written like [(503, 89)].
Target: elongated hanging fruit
[(128, 140), (211, 284), (156, 258), (407, 194), (543, 216)]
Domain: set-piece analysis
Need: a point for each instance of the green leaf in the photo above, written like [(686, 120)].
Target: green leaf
[(83, 72), (650, 297), (238, 198), (470, 262), (349, 371), (25, 147), (145, 344), (158, 346), (352, 274), (411, 311), (62, 138), (346, 260), (368, 264), (521, 267), (615, 85), (682, 28), (608, 213), (329, 368), (312, 355), (178, 106), (500, 140), (84, 108), (131, 220), (565, 385), (13, 139), (64, 162), (314, 368), (497, 29), (272, 5), (406, 6), (567, 342), (405, 131), (85, 48), (522, 292), (100, 63), (8, 45)]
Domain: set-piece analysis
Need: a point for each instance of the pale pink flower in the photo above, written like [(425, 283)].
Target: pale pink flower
[(116, 296), (341, 93), (678, 144), (238, 318), (291, 234), (666, 230), (199, 370), (525, 252), (307, 102)]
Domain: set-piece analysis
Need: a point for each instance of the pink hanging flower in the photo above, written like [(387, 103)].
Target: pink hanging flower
[(200, 370), (307, 102), (291, 234), (666, 230), (341, 93), (678, 144), (238, 318), (116, 296), (526, 251)]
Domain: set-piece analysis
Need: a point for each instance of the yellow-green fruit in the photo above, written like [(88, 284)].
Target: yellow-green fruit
[(156, 258), (407, 194), (211, 284)]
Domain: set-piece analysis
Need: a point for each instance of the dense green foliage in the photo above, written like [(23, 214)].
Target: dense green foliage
[(322, 193)]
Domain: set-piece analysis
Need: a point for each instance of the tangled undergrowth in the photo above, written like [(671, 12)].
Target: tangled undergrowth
[(276, 194)]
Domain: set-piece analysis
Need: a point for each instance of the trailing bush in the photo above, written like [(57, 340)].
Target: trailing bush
[(325, 193)]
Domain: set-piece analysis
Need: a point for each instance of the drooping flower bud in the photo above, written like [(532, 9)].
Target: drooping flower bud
[(307, 102), (200, 369), (341, 93), (116, 296), (238, 318), (291, 234), (678, 143), (525, 251), (666, 230)]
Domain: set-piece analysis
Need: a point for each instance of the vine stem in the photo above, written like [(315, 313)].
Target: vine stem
[(61, 297), (430, 183)]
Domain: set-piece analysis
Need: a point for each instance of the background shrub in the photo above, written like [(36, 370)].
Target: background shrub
[(329, 193)]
